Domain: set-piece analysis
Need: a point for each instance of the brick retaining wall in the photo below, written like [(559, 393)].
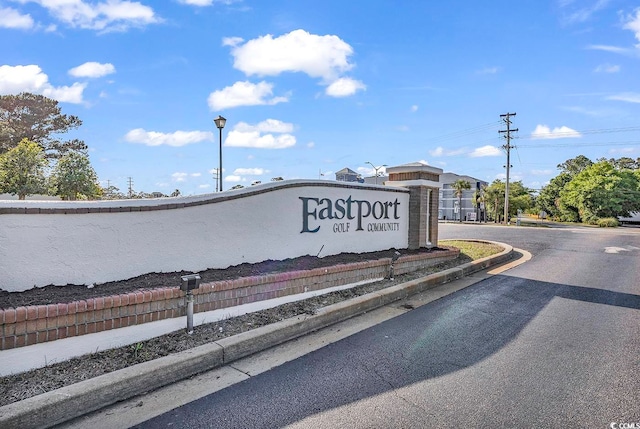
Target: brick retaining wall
[(25, 326)]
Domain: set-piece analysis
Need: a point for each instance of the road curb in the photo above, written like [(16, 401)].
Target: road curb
[(66, 403)]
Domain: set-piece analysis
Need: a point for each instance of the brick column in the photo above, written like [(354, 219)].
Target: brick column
[(434, 206), (417, 217), (423, 216)]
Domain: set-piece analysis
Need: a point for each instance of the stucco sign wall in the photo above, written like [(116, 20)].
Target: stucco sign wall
[(43, 242)]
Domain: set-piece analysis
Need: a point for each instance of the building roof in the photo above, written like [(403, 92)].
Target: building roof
[(448, 178), (412, 167), (346, 171)]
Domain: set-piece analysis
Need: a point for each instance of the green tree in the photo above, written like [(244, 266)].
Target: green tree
[(575, 165), (458, 188), (494, 199), (38, 119), (601, 190), (74, 178), (624, 163), (111, 193), (22, 170), (549, 200), (520, 198)]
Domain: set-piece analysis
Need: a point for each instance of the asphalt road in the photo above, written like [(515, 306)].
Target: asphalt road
[(554, 342)]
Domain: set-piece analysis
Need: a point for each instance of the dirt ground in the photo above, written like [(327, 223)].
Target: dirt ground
[(21, 386)]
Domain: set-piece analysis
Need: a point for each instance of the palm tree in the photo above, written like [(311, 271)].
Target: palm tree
[(458, 186), (478, 198)]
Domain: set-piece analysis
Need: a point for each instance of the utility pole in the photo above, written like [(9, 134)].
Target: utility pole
[(214, 173), (130, 182), (508, 148)]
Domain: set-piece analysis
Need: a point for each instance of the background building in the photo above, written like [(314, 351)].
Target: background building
[(449, 202), (347, 175)]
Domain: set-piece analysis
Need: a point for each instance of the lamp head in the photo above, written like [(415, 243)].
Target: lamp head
[(220, 121)]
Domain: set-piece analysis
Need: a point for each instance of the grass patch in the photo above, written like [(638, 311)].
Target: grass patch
[(473, 249)]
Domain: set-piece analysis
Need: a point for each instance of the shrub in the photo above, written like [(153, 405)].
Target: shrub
[(608, 222)]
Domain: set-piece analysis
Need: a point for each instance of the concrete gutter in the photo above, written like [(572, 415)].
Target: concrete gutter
[(72, 401)]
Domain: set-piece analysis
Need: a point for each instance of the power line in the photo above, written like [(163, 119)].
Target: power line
[(505, 117), (576, 133), (576, 144), (463, 133)]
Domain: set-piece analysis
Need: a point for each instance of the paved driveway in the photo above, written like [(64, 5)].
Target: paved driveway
[(554, 342)]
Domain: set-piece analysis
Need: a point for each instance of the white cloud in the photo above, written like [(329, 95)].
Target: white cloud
[(607, 68), (246, 135), (266, 126), (609, 48), (629, 97), (250, 171), (483, 151), (233, 178), (623, 150), (488, 70), (325, 57), (110, 15), (440, 151), (176, 139), (584, 13), (179, 177), (544, 132), (232, 41), (202, 3), (414, 108), (368, 171), (66, 94), (11, 18), (205, 186), (344, 87), (591, 112), (17, 79), (311, 144), (423, 161), (541, 172), (92, 69), (633, 23), (255, 140), (244, 94), (197, 2), (196, 174)]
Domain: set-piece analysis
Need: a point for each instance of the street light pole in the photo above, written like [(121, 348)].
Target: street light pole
[(220, 122), (376, 169)]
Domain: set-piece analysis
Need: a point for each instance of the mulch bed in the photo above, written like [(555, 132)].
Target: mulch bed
[(69, 293)]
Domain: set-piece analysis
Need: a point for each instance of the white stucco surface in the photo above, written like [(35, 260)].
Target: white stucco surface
[(41, 249)]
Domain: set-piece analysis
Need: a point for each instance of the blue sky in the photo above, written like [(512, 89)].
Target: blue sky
[(311, 87)]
